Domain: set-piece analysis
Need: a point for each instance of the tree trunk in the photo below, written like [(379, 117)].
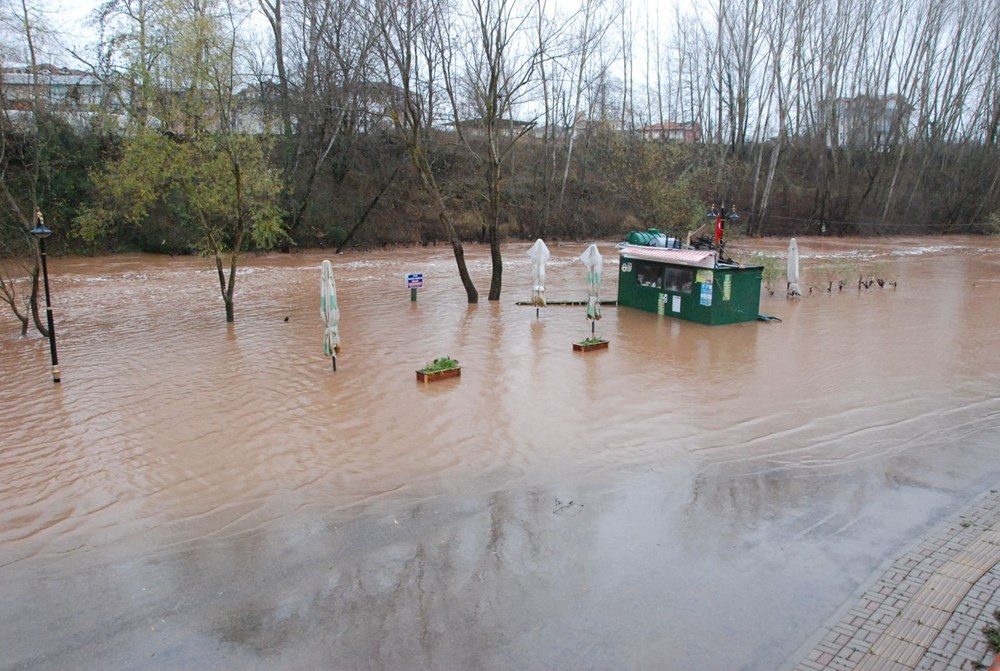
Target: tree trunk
[(368, 210), (463, 270), (892, 184), (496, 277), (765, 197)]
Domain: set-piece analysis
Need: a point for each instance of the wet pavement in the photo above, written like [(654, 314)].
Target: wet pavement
[(927, 610)]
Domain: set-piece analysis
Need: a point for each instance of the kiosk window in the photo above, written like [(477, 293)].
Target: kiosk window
[(678, 279), (648, 274)]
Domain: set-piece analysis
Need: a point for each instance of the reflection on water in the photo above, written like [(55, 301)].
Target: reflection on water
[(197, 494)]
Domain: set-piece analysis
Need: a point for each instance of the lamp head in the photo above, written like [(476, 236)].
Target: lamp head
[(40, 230)]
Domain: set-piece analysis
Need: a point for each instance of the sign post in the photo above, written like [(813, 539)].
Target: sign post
[(413, 282)]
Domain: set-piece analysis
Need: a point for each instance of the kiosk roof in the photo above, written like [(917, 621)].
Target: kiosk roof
[(698, 258)]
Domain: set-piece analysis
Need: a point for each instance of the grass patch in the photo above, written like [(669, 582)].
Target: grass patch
[(992, 633)]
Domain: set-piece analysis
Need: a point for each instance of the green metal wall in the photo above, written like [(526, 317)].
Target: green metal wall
[(725, 295)]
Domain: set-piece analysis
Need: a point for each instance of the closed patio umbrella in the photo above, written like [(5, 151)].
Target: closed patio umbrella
[(539, 254), (595, 264), (792, 270), (330, 312)]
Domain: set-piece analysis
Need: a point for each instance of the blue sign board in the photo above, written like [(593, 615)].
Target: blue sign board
[(414, 280)]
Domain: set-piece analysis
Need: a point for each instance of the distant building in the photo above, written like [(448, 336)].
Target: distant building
[(507, 127), (83, 99), (583, 127), (54, 86), (256, 110), (74, 95), (670, 131), (371, 104), (865, 121)]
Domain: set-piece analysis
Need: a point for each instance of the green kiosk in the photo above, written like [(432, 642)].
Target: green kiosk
[(690, 284)]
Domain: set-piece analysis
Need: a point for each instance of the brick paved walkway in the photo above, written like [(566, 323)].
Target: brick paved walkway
[(928, 610)]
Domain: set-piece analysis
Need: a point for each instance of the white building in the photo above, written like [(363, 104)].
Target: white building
[(867, 121)]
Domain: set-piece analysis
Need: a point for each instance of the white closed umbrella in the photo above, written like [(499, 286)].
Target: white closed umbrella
[(330, 312), (539, 254), (792, 271), (595, 264)]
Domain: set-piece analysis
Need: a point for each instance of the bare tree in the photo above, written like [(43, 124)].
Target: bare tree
[(499, 72), (20, 21), (591, 33), (402, 25), (776, 22), (272, 10), (547, 168), (133, 40)]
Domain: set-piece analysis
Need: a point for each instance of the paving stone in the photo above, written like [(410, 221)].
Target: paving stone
[(873, 663), (927, 610), (961, 572), (992, 536), (927, 615), (982, 561), (942, 592), (898, 650), (912, 632)]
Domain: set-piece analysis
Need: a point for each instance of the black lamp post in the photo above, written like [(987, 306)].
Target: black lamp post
[(40, 231)]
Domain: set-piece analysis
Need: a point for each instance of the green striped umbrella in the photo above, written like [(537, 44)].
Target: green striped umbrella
[(330, 312), (595, 264)]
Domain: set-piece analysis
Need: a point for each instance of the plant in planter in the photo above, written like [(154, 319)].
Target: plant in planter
[(439, 369), (590, 343)]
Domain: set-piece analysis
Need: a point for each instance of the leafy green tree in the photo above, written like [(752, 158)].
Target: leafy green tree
[(656, 178), (195, 165), (219, 186)]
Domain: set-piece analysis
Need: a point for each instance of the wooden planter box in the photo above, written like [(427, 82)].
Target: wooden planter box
[(439, 375), (580, 347)]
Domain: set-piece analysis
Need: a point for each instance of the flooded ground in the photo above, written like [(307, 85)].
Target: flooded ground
[(203, 495)]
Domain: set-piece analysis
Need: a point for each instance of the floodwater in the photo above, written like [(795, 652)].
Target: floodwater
[(197, 495)]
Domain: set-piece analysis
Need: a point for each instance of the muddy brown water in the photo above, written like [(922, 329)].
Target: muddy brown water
[(203, 495)]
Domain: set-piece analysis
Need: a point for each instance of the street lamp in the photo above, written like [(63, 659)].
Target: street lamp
[(720, 216), (40, 231)]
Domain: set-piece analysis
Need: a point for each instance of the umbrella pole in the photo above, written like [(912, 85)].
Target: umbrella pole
[(536, 312), (334, 357), (592, 324)]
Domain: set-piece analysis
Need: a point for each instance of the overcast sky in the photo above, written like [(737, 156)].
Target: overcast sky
[(71, 17)]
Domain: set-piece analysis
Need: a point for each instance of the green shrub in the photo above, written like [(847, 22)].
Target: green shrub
[(438, 365)]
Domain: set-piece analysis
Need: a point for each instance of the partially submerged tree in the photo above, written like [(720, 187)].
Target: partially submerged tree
[(409, 29), (197, 167), (497, 75), (21, 169)]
